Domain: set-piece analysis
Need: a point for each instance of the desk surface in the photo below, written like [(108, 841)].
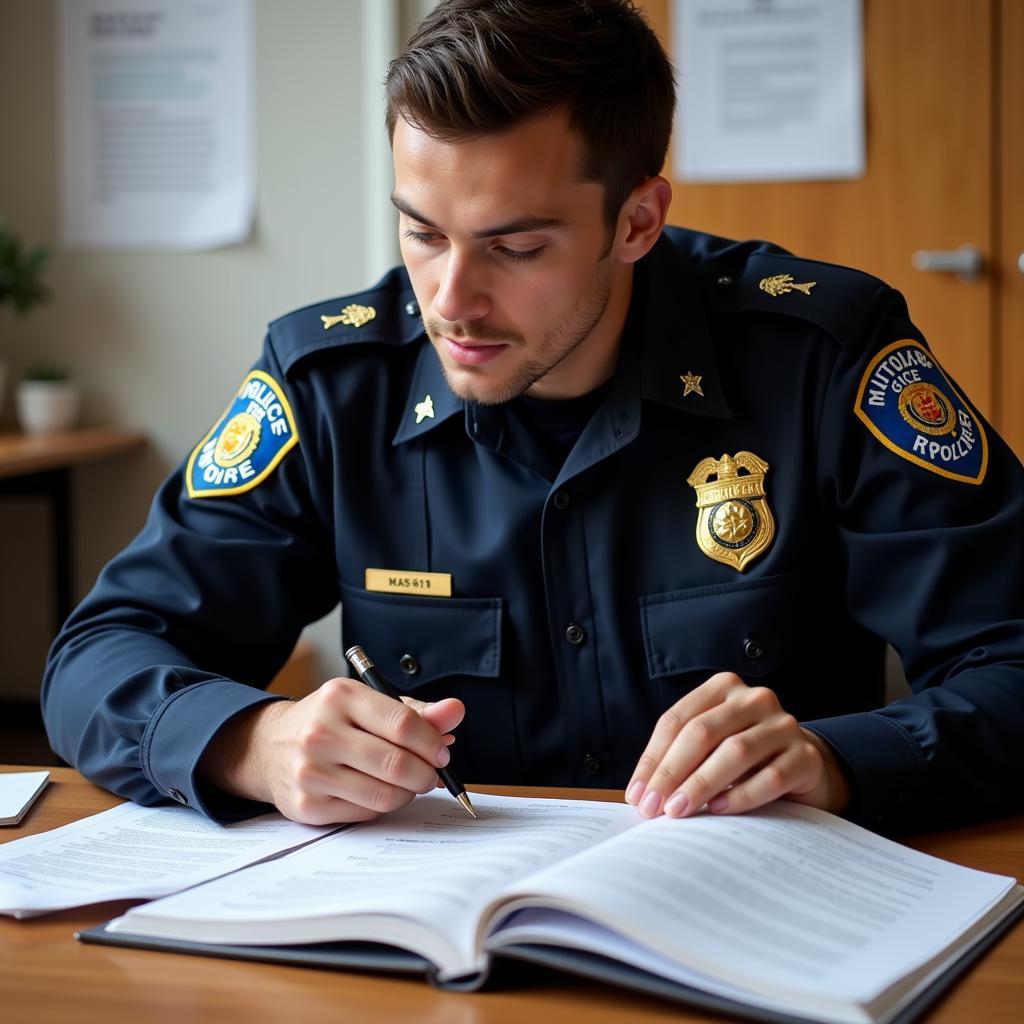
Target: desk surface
[(20, 454), (46, 976)]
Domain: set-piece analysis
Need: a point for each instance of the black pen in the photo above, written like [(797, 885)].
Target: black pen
[(369, 674)]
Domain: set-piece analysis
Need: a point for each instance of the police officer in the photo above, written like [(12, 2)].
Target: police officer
[(640, 504)]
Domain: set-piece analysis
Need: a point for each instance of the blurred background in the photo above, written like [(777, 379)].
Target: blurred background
[(157, 340)]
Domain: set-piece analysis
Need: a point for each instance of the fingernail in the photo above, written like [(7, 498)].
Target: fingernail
[(718, 804), (676, 804), (443, 757), (635, 791), (651, 804)]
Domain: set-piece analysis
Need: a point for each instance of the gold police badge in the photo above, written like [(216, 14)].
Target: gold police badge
[(734, 523)]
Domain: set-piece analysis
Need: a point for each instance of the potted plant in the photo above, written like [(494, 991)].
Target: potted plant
[(46, 399)]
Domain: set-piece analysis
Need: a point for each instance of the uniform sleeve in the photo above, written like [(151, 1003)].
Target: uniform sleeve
[(186, 626), (929, 504)]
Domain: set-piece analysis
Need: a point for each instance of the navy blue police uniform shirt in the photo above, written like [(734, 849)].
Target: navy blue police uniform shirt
[(778, 478)]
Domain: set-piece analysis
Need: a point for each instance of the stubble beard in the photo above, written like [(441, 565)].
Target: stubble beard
[(560, 340)]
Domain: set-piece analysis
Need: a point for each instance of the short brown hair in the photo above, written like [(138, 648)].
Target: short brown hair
[(474, 67)]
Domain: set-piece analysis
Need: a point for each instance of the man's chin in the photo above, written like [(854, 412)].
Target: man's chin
[(482, 388)]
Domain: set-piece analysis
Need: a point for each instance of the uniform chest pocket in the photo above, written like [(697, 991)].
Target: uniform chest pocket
[(751, 627), (418, 640)]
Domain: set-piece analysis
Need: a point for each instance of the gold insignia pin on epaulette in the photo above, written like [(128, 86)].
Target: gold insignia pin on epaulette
[(350, 316), (424, 410), (691, 383), (783, 284)]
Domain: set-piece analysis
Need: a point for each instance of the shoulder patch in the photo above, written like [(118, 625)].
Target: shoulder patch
[(255, 433), (908, 403)]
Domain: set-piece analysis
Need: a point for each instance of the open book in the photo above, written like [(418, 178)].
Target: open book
[(785, 913)]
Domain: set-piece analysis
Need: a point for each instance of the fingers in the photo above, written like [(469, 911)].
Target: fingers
[(668, 728), (395, 722), (347, 753), (388, 763), (444, 715), (727, 745)]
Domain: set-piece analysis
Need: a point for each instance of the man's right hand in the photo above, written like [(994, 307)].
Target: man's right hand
[(344, 753)]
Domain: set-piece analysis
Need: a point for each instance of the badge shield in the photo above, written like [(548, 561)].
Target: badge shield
[(734, 522)]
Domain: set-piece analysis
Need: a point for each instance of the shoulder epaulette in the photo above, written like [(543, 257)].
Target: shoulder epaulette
[(386, 314), (757, 276), (840, 300)]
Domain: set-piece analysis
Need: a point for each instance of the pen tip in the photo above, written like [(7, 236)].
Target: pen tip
[(464, 800)]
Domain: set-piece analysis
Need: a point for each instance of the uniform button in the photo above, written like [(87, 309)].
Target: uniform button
[(176, 794), (592, 764), (408, 664), (724, 281), (753, 648), (575, 634), (561, 500), (412, 308)]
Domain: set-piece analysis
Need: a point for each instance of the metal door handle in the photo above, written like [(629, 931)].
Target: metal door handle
[(966, 262), (1020, 262)]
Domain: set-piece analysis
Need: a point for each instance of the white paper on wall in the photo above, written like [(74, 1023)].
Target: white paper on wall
[(769, 90), (155, 100)]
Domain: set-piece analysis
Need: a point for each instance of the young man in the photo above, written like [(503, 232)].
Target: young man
[(641, 504)]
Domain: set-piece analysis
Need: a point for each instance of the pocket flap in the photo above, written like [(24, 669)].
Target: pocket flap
[(749, 627), (415, 640)]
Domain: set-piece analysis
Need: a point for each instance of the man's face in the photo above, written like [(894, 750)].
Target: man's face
[(507, 249)]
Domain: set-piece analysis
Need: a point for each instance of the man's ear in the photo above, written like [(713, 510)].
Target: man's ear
[(641, 219)]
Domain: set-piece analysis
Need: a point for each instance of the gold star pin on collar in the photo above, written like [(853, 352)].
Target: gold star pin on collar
[(691, 382), (424, 410)]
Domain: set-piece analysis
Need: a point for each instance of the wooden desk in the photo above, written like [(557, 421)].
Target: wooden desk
[(42, 466), (46, 976)]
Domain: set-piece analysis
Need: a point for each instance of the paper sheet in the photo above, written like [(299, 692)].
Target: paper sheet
[(768, 90), (155, 103), (134, 852)]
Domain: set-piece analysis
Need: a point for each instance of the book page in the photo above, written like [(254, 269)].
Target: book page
[(785, 900), (130, 852), (428, 863)]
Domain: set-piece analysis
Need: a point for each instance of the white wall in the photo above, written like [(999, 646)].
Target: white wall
[(159, 339)]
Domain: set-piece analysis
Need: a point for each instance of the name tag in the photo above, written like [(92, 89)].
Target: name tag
[(397, 581)]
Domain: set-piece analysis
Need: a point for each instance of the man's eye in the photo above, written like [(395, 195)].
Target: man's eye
[(519, 255), (423, 237)]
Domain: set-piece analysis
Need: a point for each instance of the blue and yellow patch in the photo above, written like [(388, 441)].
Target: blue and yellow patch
[(906, 401), (255, 433)]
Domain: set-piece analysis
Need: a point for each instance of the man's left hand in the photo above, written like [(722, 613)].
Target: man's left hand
[(734, 748)]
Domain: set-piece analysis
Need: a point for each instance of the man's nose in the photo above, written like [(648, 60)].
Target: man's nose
[(461, 295)]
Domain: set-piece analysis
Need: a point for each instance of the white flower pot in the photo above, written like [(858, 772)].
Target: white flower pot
[(46, 406)]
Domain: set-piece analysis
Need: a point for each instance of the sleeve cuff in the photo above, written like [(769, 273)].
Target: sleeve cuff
[(177, 736), (886, 768)]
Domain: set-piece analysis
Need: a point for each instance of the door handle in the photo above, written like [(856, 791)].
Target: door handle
[(966, 262), (1020, 262)]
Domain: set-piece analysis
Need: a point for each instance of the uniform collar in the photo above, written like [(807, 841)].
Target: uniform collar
[(669, 324), (430, 401), (666, 337)]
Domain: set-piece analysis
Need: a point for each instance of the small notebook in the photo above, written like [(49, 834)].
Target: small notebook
[(18, 792)]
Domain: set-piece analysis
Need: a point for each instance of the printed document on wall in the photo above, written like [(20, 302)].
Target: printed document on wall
[(769, 90), (155, 103)]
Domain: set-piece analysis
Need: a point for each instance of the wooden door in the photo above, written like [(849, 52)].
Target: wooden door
[(930, 180), (1010, 224)]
